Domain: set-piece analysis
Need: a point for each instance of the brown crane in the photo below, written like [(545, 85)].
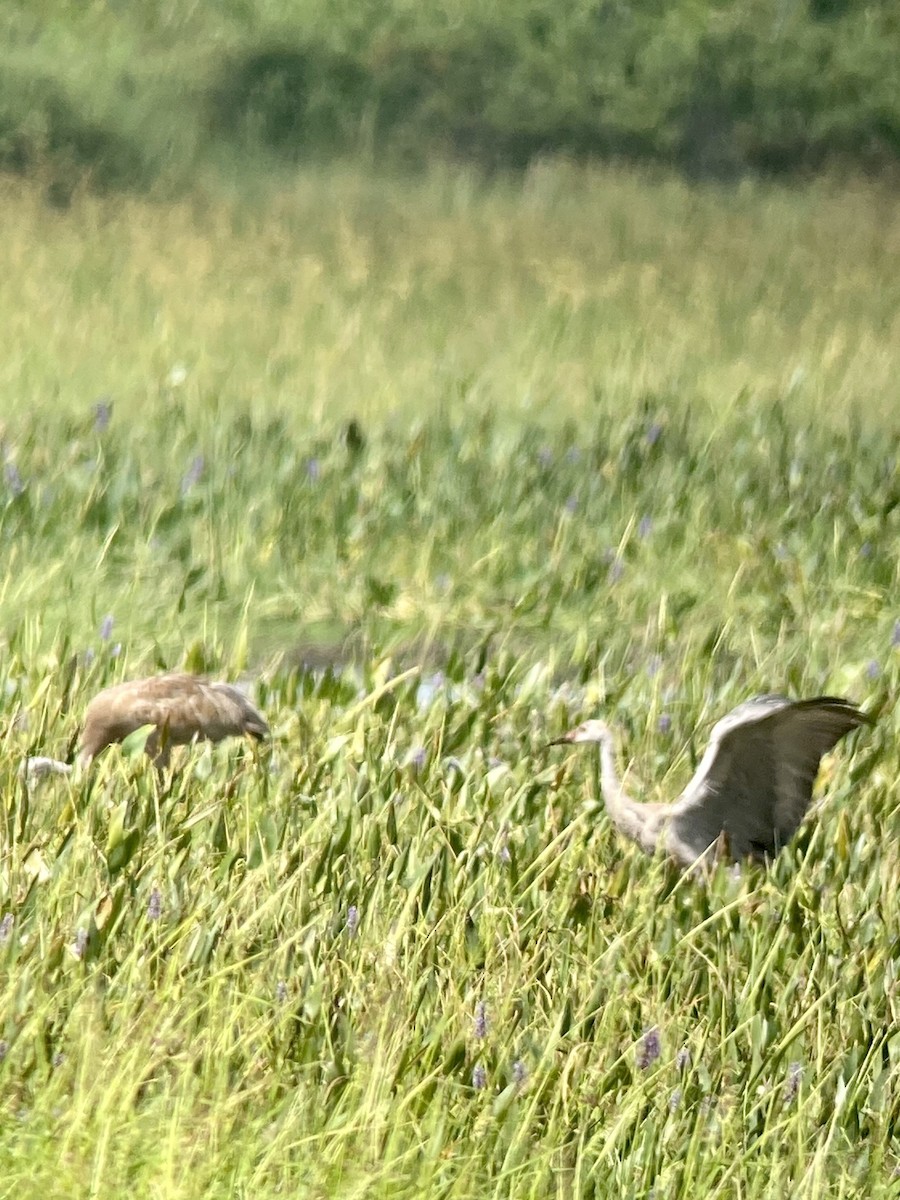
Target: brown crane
[(753, 785), (183, 709)]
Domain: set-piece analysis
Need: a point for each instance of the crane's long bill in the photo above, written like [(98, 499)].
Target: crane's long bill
[(565, 740)]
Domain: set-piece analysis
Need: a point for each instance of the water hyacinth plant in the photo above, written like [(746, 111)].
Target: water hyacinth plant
[(102, 415), (649, 1049), (154, 905), (480, 1024), (398, 950), (193, 474)]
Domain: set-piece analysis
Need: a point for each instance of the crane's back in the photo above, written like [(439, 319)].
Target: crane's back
[(182, 707)]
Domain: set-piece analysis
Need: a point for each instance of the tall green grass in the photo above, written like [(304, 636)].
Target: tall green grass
[(569, 293), (400, 951), (401, 954)]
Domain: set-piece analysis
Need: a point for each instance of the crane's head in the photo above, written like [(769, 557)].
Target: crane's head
[(38, 767), (588, 731)]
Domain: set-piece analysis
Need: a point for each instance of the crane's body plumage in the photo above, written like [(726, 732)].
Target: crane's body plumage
[(753, 785), (183, 709)]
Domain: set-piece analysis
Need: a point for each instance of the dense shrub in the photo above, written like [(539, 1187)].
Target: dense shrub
[(716, 89), (286, 98), (42, 127), (708, 87)]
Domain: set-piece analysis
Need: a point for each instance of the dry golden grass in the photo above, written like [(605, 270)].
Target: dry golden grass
[(342, 294)]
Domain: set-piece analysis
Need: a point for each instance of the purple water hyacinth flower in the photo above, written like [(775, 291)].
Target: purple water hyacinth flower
[(616, 569), (106, 627), (654, 433), (645, 527), (573, 455), (572, 504), (683, 1059), (865, 550), (649, 1049), (479, 1077), (102, 414), (193, 474), (519, 1072), (792, 1083), (281, 992), (154, 905), (6, 928), (545, 456), (478, 680), (58, 1058), (664, 724), (675, 1100), (352, 920), (480, 1025), (428, 689), (895, 636), (80, 944), (88, 657), (417, 758), (14, 482), (115, 650), (503, 854), (873, 669), (313, 469)]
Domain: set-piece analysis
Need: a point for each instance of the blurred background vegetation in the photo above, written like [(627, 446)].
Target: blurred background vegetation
[(141, 92), (552, 348)]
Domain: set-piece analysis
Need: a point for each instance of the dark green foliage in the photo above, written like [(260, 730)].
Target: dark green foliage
[(289, 99), (716, 92), (45, 130), (717, 89)]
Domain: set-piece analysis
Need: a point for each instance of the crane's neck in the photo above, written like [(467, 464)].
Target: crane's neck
[(624, 812)]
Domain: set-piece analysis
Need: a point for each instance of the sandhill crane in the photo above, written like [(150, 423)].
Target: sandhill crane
[(183, 709), (753, 785)]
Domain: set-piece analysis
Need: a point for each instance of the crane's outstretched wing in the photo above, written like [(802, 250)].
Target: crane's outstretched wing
[(755, 779)]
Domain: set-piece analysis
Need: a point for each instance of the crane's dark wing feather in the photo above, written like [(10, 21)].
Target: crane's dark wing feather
[(810, 729), (756, 777)]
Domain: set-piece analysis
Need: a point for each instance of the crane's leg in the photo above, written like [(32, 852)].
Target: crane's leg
[(158, 748)]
